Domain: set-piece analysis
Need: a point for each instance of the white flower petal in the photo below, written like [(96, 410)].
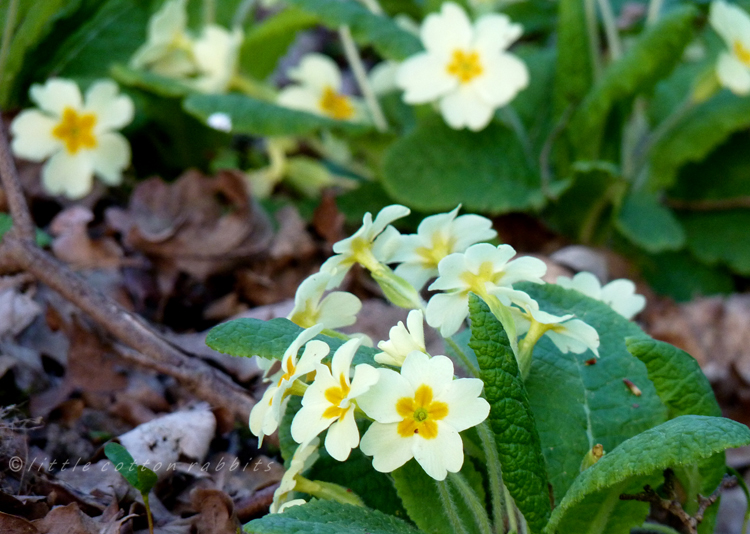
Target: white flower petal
[(466, 407), (447, 312), (342, 359), (379, 402), (443, 32), (112, 110), (436, 372), (415, 323), (464, 109), (317, 72), (730, 21), (72, 176), (620, 295), (32, 135), (415, 274), (56, 95), (501, 81), (577, 336), (733, 74), (261, 418), (339, 309), (481, 253), (424, 78), (315, 351), (386, 216), (301, 98), (451, 269), (110, 157), (389, 450), (342, 437), (470, 229), (440, 455), (365, 376), (494, 33), (525, 269)]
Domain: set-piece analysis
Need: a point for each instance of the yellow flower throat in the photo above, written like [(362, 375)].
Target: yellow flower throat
[(742, 53), (335, 105), (420, 414), (76, 130), (465, 66)]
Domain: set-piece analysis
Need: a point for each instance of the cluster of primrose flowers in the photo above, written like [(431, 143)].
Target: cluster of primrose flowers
[(465, 70), (417, 407)]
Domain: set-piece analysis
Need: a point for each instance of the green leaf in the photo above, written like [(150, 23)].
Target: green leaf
[(649, 59), (256, 117), (269, 339), (34, 21), (574, 75), (388, 39), (43, 239), (679, 381), (328, 517), (578, 404), (682, 277), (683, 441), (138, 476), (153, 83), (702, 130), (428, 169), (511, 418), (273, 36), (648, 224), (419, 494), (719, 237)]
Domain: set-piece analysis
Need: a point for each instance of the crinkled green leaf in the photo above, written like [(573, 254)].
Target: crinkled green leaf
[(682, 277), (579, 401), (34, 20), (511, 418), (328, 517), (419, 494), (272, 36), (435, 167), (141, 478), (269, 339), (702, 130), (390, 40), (682, 441), (574, 75), (649, 59), (678, 378), (719, 237), (645, 222), (257, 117)]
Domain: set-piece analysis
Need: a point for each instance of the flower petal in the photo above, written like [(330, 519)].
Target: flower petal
[(339, 309), (32, 135), (436, 372), (733, 74), (503, 78), (342, 437), (494, 33), (380, 400), (447, 312), (113, 111), (424, 78), (465, 407), (301, 98), (110, 157), (443, 32), (72, 176), (56, 95), (440, 455), (465, 109), (317, 72), (388, 449), (525, 269), (415, 273), (365, 376)]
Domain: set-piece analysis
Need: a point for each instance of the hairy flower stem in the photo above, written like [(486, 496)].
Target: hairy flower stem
[(327, 491), (450, 507), (472, 502), (495, 475), (610, 30), (511, 508)]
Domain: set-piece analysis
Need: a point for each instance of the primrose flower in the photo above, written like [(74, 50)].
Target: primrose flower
[(568, 334), (733, 25), (466, 68), (403, 342), (267, 413), (419, 414), (337, 309), (319, 90), (329, 402), (77, 135), (215, 52), (619, 294), (366, 246), (437, 236), (486, 271), (303, 459)]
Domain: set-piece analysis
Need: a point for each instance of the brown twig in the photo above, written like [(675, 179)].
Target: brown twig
[(19, 252), (673, 506)]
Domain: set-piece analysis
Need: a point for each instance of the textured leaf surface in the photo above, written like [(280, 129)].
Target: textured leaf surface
[(390, 41), (651, 58), (678, 378), (686, 440), (720, 237), (703, 129), (429, 169), (574, 69), (645, 222), (577, 405), (256, 117), (681, 276), (421, 499), (511, 418), (269, 339), (327, 517)]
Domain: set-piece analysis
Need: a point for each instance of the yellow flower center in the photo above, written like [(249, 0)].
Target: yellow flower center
[(307, 317), (420, 414), (290, 369), (441, 246), (465, 66), (76, 130), (335, 105), (477, 282), (742, 53), (335, 396)]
